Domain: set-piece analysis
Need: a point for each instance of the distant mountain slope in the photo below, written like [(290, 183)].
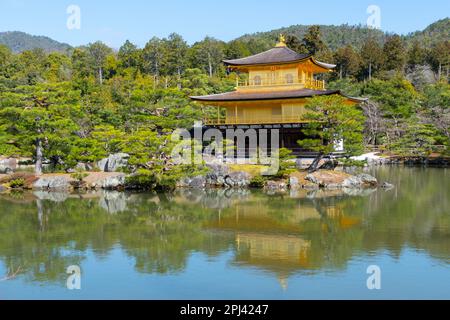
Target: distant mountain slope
[(334, 36), (435, 32), (20, 41), (338, 36)]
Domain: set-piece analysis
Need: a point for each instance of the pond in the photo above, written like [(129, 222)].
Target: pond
[(221, 244)]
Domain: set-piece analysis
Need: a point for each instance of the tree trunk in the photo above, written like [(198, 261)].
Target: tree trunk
[(370, 71), (38, 165), (313, 167), (210, 66), (439, 71), (100, 75)]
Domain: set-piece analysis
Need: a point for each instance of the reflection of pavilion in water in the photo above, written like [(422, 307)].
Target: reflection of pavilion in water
[(271, 239)]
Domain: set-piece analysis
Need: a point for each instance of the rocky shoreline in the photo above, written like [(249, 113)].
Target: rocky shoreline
[(106, 175), (218, 177)]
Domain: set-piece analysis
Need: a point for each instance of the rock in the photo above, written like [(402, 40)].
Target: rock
[(217, 174), (81, 166), (293, 183), (198, 182), (360, 180), (238, 179), (326, 178), (387, 185), (2, 188), (113, 182), (276, 186), (8, 165), (113, 162), (52, 183), (420, 76)]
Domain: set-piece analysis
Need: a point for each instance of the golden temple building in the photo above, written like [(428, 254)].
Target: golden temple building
[(272, 93)]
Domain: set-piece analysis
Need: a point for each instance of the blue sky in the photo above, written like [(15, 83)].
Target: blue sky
[(138, 20)]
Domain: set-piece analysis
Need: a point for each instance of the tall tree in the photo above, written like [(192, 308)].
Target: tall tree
[(440, 57), (348, 61), (208, 55), (177, 51), (295, 44), (394, 53), (155, 57), (313, 40), (372, 56), (129, 55), (416, 54), (236, 49), (98, 52)]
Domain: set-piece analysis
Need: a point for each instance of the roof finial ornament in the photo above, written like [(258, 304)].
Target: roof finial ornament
[(281, 41)]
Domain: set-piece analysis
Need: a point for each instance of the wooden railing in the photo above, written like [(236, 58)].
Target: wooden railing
[(274, 119), (277, 82)]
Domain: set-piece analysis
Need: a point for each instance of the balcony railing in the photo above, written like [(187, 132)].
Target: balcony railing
[(275, 119), (280, 82)]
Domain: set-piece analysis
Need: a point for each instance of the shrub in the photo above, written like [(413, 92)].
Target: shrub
[(142, 179), (17, 183), (79, 176), (257, 182), (287, 165)]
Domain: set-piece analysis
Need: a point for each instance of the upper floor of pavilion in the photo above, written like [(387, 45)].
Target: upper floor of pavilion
[(279, 68)]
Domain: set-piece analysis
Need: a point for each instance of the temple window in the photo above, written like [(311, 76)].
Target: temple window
[(289, 78), (257, 80)]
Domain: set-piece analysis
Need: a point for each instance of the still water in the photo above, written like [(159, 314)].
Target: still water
[(231, 244)]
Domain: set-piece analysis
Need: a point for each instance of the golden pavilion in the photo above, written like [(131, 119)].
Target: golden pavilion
[(271, 94)]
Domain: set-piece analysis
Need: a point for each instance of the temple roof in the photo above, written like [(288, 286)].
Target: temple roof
[(277, 55), (269, 95)]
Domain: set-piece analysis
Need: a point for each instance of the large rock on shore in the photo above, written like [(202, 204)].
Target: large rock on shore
[(327, 178), (238, 179), (113, 182), (198, 182), (275, 186), (360, 180), (336, 179), (52, 183), (114, 162), (8, 165), (217, 174)]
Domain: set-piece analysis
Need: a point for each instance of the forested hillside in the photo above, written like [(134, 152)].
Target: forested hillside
[(338, 36), (20, 41)]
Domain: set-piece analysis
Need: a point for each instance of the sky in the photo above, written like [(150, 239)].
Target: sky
[(113, 22)]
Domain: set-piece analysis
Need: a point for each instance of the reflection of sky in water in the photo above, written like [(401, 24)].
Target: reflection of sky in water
[(412, 275), (232, 245)]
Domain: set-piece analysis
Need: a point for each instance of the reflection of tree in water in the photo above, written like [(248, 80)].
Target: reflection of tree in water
[(44, 233), (44, 237)]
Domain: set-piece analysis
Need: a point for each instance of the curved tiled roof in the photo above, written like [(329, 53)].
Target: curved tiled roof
[(274, 55), (277, 55), (275, 95)]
